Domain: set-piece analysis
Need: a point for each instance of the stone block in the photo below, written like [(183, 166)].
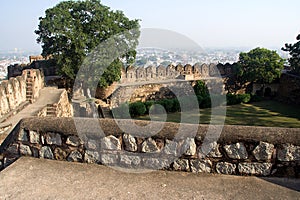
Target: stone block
[(236, 151), (23, 136), (60, 154), (130, 143), (225, 168), (210, 150), (92, 145), (91, 156), (149, 146), (75, 156), (74, 141), (109, 159), (110, 143), (130, 161), (171, 147), (288, 152), (155, 163), (199, 166), (13, 149), (53, 138), (25, 150), (263, 151), (189, 147), (34, 137), (260, 169), (46, 152), (181, 165)]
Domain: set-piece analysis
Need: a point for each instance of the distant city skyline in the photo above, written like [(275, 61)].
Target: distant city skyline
[(218, 24)]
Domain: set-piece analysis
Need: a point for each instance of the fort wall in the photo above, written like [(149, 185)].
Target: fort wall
[(15, 91), (289, 89), (240, 150)]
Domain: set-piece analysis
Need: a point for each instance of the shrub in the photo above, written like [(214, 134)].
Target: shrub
[(233, 99), (137, 109), (256, 98), (148, 105), (121, 112)]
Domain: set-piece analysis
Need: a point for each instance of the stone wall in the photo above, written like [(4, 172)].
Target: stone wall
[(157, 91), (187, 72), (15, 91), (289, 88), (62, 108), (259, 151)]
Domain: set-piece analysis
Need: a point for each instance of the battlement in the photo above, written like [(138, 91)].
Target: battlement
[(186, 72)]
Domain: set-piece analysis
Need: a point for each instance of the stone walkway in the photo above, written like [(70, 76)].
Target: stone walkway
[(31, 178), (48, 95)]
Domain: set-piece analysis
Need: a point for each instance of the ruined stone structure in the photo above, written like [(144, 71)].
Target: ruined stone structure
[(187, 72), (15, 91), (289, 88), (260, 151)]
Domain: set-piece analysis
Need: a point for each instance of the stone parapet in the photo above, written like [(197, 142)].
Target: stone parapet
[(240, 150)]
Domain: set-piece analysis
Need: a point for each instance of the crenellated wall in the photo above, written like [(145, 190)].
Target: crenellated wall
[(15, 91), (188, 72), (240, 150)]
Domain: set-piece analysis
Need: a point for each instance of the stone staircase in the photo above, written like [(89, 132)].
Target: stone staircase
[(29, 90), (105, 108), (51, 110)]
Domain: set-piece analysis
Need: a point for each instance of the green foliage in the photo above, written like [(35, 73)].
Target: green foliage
[(294, 50), (137, 109), (201, 89), (71, 30), (233, 99), (256, 98), (259, 65)]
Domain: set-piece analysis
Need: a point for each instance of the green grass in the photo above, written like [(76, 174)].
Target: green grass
[(265, 113)]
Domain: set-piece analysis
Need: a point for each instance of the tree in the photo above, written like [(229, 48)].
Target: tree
[(71, 30), (259, 65), (294, 50)]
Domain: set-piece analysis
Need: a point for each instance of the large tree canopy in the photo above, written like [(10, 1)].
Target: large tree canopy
[(294, 50), (259, 65), (73, 29)]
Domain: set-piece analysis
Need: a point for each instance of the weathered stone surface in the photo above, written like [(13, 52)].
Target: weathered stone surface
[(91, 156), (155, 163), (60, 154), (130, 161), (236, 151), (35, 152), (149, 146), (109, 159), (74, 141), (263, 151), (288, 152), (46, 152), (23, 136), (92, 144), (181, 165), (1, 164), (110, 143), (34, 137), (225, 168), (75, 156), (130, 142), (199, 166), (25, 150), (262, 169), (210, 150), (13, 149), (53, 138), (189, 147), (171, 147)]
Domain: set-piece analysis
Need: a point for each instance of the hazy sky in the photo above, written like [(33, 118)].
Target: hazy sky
[(210, 23)]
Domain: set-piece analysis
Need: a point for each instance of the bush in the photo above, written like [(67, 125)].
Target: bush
[(137, 109), (233, 99), (148, 105)]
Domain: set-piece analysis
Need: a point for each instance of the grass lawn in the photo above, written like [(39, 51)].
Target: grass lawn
[(265, 113)]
